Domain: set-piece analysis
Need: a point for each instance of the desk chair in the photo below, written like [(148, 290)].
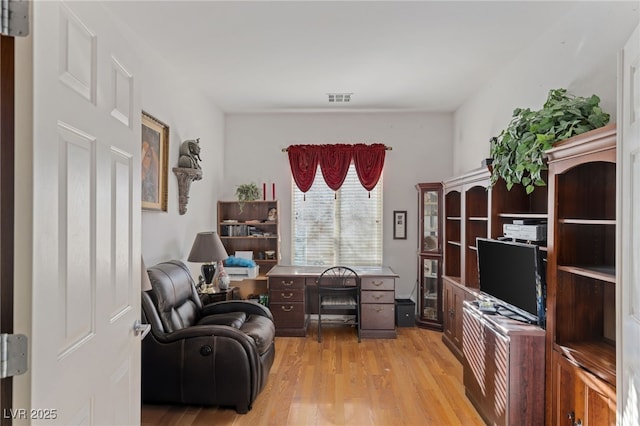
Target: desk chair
[(339, 290)]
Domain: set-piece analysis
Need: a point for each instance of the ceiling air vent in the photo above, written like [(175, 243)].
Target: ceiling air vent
[(339, 97)]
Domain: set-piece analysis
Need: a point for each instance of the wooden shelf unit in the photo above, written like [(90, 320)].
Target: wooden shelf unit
[(234, 221), (581, 278), (472, 210), (466, 217)]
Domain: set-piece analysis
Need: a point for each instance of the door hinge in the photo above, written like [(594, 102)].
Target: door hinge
[(13, 355), (14, 18)]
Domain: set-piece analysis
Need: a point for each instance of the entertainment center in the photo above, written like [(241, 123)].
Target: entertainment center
[(472, 210), (503, 336), (501, 357)]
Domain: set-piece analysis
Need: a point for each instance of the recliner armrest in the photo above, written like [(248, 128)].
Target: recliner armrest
[(200, 331), (250, 308)]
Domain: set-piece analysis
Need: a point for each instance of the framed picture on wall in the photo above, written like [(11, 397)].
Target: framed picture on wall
[(399, 224), (155, 147)]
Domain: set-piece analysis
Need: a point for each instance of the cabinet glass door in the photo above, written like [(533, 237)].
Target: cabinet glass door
[(430, 223), (430, 289), (430, 255)]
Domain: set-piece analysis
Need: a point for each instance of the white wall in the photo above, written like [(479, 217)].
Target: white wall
[(579, 54), (422, 152), (169, 235)]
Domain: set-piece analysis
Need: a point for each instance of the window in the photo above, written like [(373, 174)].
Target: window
[(341, 228)]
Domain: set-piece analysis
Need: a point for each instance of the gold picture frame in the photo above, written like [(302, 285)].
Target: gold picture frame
[(154, 163)]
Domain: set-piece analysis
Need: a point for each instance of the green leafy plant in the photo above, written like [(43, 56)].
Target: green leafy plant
[(518, 151), (247, 192)]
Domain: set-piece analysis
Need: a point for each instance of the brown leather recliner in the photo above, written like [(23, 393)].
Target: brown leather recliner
[(219, 354)]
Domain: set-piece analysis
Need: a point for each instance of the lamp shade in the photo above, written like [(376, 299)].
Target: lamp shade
[(207, 247), (145, 282)]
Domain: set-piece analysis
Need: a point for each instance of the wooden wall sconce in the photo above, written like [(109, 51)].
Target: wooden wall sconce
[(188, 170)]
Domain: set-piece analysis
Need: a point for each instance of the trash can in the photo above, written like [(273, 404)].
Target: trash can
[(405, 313)]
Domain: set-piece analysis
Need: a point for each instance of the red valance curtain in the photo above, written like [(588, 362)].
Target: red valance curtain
[(334, 161), (303, 160), (334, 164), (369, 161)]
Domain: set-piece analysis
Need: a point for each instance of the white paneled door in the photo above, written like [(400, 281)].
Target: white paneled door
[(85, 362), (629, 234)]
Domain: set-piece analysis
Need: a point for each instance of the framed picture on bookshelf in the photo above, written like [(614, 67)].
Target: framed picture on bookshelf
[(399, 224)]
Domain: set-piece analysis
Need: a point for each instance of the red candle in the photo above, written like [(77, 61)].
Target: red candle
[(264, 191), (273, 191)]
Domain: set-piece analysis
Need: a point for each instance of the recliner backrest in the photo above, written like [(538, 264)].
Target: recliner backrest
[(174, 295)]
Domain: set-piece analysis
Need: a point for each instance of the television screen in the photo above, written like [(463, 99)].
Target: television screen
[(512, 275)]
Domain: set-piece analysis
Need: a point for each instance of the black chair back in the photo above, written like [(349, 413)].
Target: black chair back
[(339, 290)]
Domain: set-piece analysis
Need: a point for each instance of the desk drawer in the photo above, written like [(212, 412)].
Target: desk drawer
[(377, 283), (378, 316), (377, 297), (286, 296), (286, 283), (288, 315)]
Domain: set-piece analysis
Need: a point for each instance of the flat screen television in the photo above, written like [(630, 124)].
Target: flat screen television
[(512, 277)]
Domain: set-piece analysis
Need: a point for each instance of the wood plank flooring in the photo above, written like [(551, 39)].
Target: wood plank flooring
[(412, 380)]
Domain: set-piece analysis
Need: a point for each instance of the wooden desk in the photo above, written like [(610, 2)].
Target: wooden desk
[(292, 298)]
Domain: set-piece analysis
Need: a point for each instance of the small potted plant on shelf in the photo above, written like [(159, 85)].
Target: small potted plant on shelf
[(247, 192), (518, 151)]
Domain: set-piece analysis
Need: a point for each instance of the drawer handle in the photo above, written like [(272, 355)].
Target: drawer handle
[(377, 297), (286, 296), (379, 309), (287, 309), (287, 283), (377, 284)]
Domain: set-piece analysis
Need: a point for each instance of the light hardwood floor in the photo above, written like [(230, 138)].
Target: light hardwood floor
[(411, 380)]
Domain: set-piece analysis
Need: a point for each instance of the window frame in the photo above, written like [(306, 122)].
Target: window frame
[(343, 250)]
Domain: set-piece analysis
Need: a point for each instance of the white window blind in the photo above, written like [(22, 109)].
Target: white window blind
[(341, 230)]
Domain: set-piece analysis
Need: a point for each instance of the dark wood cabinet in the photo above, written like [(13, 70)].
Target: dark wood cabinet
[(581, 279), (287, 298), (454, 296), (503, 368), (378, 307), (430, 309), (581, 397)]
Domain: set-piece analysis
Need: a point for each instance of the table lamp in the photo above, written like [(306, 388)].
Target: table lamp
[(207, 248)]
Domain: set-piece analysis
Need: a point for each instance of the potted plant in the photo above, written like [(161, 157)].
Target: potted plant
[(518, 151), (247, 192)]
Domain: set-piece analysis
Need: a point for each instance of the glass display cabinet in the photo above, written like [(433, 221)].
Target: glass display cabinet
[(429, 256)]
